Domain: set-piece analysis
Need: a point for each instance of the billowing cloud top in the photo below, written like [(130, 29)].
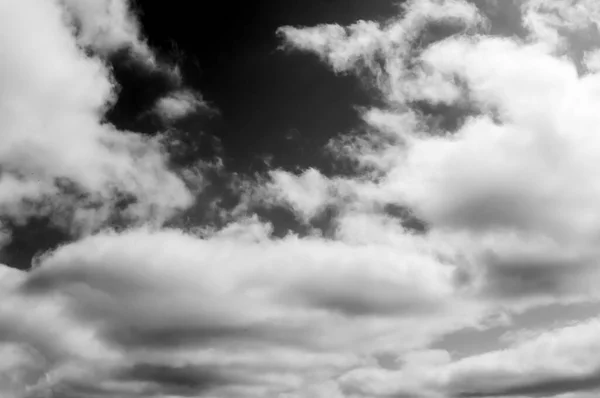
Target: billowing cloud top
[(474, 196)]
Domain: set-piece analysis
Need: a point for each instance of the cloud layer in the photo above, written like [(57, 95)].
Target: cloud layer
[(474, 195)]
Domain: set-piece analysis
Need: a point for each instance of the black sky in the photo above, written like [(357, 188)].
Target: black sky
[(229, 52)]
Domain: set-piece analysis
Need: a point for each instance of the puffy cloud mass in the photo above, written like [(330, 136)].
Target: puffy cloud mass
[(225, 312), (56, 146), (107, 26), (512, 187), (474, 196)]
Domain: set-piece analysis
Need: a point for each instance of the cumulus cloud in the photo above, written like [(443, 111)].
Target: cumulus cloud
[(107, 26), (439, 228), (508, 194), (512, 182), (54, 139), (257, 313), (555, 22)]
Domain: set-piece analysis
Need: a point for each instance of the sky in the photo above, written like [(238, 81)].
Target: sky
[(317, 199)]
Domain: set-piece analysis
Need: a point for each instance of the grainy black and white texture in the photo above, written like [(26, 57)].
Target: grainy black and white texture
[(299, 199)]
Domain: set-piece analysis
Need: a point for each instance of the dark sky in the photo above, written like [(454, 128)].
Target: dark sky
[(229, 52), (271, 103)]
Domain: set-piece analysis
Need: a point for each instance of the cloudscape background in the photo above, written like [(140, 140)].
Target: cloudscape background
[(317, 199)]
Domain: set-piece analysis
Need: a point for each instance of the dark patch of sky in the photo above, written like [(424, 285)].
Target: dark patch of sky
[(272, 103)]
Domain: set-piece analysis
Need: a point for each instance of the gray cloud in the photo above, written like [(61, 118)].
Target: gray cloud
[(173, 380), (548, 387)]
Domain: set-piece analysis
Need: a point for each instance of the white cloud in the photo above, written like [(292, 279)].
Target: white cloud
[(592, 60), (383, 51), (307, 194), (557, 361), (510, 197), (51, 107), (513, 191), (107, 26), (282, 314), (179, 104), (507, 203)]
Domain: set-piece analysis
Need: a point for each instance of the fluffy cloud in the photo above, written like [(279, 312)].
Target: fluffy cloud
[(54, 140), (383, 52), (513, 188), (307, 194), (556, 23), (440, 228), (277, 314), (179, 104), (509, 195), (107, 26)]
